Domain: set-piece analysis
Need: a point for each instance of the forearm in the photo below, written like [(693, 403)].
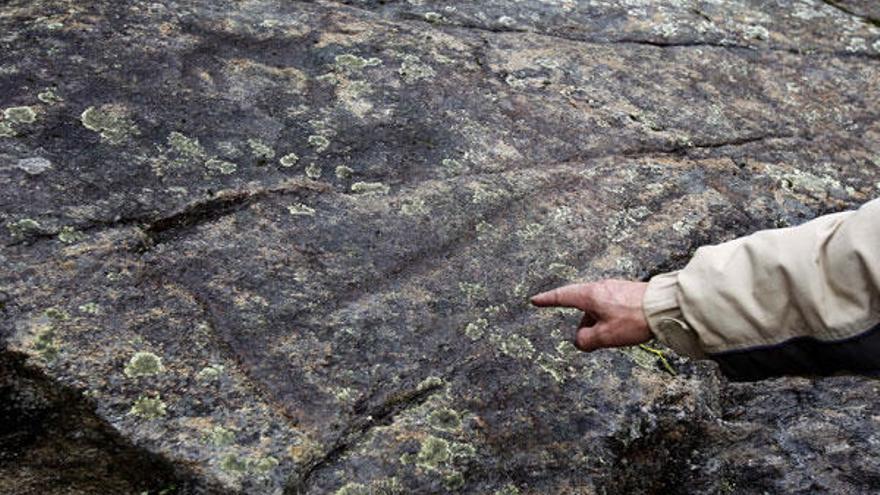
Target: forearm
[(794, 294)]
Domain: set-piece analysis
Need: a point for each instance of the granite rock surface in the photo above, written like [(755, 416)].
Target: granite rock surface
[(282, 246)]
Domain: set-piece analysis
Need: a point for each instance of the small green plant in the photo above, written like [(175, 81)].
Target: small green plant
[(657, 352)]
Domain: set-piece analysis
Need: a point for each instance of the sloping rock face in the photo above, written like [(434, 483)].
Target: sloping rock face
[(286, 247)]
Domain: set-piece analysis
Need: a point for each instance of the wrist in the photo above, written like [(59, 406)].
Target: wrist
[(665, 318)]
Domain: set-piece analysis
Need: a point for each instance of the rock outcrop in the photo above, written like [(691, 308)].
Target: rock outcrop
[(281, 246)]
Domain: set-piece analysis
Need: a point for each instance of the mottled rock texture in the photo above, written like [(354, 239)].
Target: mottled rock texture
[(286, 247)]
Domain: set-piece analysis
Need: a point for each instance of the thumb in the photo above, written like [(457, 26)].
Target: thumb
[(595, 337)]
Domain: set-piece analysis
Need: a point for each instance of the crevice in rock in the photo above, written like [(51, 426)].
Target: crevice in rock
[(164, 228), (366, 419), (195, 214), (472, 26), (837, 5), (634, 152), (737, 141), (223, 204)]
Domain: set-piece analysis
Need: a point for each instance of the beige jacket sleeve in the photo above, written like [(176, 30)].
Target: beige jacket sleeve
[(810, 285)]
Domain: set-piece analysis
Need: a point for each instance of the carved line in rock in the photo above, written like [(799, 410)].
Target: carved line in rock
[(471, 26), (867, 19), (226, 202), (366, 419), (225, 346)]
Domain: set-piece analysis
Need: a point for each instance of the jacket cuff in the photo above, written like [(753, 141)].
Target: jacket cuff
[(666, 319)]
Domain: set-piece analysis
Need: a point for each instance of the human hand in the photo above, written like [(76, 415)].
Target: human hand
[(613, 315)]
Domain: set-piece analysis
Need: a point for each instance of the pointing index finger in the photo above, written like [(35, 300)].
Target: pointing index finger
[(569, 296)]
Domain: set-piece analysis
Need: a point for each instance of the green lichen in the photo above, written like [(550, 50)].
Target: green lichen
[(261, 150), (562, 271), (69, 235), (56, 314), (143, 364), (453, 481), (476, 329), (23, 227), (319, 142), (148, 407), (90, 308), (354, 489), (20, 115), (517, 346), (509, 489), (210, 373), (186, 147), (49, 97), (231, 463), (301, 209), (412, 69), (6, 130), (313, 171), (343, 394), (228, 149), (452, 166), (431, 382), (222, 166), (727, 487), (330, 77), (110, 121), (391, 486), (442, 457), (473, 292), (289, 160), (433, 17), (461, 452), (219, 436), (530, 232), (45, 344), (445, 419), (554, 366), (434, 453), (351, 62), (493, 310), (414, 207), (343, 172), (484, 230), (483, 194), (263, 465), (370, 188)]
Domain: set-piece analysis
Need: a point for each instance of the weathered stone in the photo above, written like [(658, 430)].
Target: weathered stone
[(286, 247), (35, 165)]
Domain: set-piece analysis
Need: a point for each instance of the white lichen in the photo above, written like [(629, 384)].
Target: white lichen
[(300, 209), (289, 160)]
